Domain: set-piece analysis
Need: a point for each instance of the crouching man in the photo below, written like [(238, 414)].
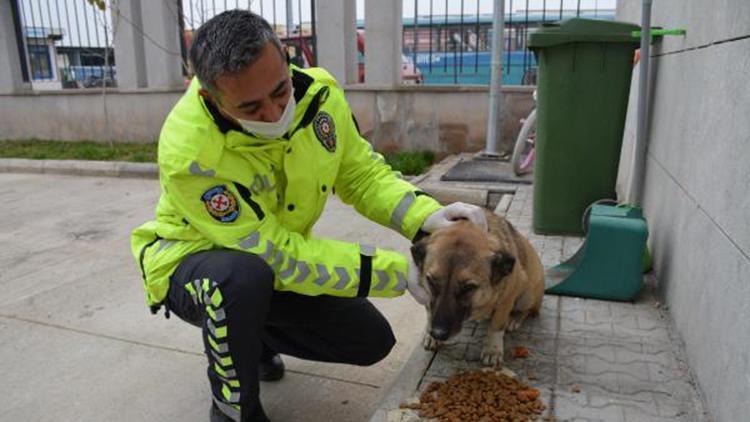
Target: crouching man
[(247, 160)]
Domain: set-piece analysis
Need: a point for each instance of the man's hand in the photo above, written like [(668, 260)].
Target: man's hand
[(453, 212), (415, 288)]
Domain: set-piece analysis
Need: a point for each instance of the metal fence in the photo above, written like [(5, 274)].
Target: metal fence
[(292, 20), (64, 43), (451, 43), (69, 43)]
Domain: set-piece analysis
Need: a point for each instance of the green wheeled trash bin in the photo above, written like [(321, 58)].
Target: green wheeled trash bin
[(585, 68)]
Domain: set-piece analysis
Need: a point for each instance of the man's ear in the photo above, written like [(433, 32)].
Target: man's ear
[(418, 252), (502, 265)]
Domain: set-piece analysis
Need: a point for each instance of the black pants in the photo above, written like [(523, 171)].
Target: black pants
[(230, 295)]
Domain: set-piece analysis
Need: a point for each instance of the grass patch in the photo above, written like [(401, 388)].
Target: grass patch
[(62, 150), (410, 163)]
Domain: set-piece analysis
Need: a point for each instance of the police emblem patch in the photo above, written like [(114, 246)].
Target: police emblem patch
[(221, 204), (325, 130)]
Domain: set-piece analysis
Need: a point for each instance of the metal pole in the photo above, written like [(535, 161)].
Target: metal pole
[(461, 38), (430, 60), (414, 35), (476, 43), (314, 24), (289, 18), (494, 116), (445, 42), (639, 158), (513, 35)]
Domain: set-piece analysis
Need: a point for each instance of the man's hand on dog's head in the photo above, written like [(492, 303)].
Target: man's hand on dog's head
[(455, 212)]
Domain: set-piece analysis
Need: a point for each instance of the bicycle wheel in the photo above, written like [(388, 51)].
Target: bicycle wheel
[(522, 160)]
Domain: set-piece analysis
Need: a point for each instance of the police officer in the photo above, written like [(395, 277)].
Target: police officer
[(247, 160)]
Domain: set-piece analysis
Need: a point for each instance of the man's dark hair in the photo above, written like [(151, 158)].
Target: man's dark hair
[(228, 43)]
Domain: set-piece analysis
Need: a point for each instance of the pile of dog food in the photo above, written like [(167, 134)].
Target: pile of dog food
[(479, 396)]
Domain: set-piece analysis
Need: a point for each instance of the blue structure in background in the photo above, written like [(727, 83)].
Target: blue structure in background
[(472, 67), (441, 65)]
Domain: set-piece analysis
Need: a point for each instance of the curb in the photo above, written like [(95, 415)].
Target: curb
[(80, 168), (447, 195), (404, 385)]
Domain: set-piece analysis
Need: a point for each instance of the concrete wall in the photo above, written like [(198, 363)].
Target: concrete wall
[(133, 116), (446, 120), (697, 187), (441, 119)]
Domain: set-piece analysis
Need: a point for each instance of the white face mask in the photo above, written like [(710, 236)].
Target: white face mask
[(272, 130)]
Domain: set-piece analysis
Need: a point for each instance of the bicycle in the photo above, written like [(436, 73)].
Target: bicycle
[(523, 156)]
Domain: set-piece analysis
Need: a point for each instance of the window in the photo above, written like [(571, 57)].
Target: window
[(41, 66)]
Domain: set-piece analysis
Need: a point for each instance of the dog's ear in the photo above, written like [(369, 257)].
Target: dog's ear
[(502, 265), (418, 252)]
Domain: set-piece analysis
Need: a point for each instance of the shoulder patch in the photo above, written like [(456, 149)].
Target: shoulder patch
[(325, 130), (221, 204)]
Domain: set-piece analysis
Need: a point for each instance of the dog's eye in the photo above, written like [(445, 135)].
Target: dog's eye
[(468, 287), (430, 281)]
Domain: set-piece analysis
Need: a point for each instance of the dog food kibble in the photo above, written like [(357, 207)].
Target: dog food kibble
[(478, 396), (520, 352), (528, 395)]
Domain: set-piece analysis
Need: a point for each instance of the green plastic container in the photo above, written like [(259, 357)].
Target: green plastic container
[(584, 76), (609, 265)]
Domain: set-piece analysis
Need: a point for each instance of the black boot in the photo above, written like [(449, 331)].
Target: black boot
[(270, 367), (216, 415)]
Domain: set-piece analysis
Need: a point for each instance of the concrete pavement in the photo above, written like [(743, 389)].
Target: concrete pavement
[(77, 342), (592, 360)]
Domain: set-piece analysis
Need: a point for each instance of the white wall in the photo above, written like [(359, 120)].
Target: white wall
[(133, 116), (442, 119), (697, 187)]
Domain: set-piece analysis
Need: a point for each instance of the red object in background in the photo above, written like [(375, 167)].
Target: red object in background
[(409, 71)]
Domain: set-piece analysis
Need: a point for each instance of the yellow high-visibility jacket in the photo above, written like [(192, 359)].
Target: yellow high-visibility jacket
[(224, 188)]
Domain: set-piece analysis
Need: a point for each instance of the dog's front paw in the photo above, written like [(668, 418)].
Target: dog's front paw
[(430, 343), (516, 320), (492, 357), (513, 325), (492, 353)]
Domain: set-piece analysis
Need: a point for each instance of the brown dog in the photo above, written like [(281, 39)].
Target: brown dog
[(475, 275)]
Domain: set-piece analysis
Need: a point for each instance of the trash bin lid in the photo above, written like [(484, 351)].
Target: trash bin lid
[(582, 30)]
